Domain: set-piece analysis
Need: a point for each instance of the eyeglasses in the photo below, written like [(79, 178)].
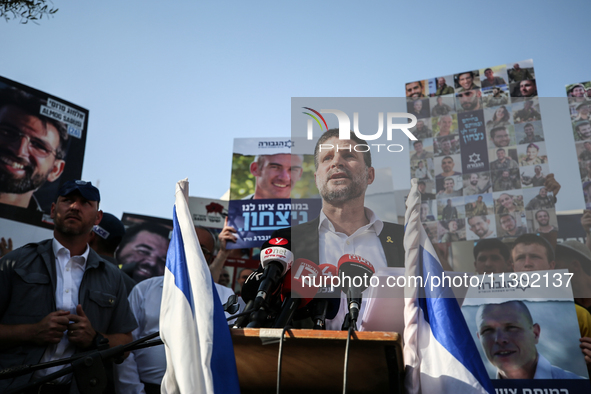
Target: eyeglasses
[(37, 147)]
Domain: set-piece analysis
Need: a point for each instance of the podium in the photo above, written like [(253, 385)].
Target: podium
[(313, 361)]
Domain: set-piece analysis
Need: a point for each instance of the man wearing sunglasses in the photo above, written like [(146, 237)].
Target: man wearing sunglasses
[(32, 148)]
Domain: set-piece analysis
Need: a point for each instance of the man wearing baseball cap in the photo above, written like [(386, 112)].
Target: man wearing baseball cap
[(58, 297), (105, 238)]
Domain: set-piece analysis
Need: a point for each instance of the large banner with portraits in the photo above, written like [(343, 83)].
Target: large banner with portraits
[(42, 143), (480, 156), (526, 330), (579, 103), (270, 189)]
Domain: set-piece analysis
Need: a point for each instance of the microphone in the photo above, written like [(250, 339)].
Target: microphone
[(328, 305), (298, 290), (248, 294), (276, 259), (355, 272)]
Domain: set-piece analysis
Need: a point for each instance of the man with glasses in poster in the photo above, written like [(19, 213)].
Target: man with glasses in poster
[(32, 148)]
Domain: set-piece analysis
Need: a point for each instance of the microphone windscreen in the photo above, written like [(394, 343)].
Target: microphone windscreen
[(301, 281), (351, 265), (251, 285), (278, 250)]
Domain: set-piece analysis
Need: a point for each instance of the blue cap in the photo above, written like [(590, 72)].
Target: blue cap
[(110, 227), (85, 188)]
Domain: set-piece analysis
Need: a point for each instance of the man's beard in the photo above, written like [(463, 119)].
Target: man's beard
[(30, 181), (543, 222), (470, 105), (355, 189), (474, 183)]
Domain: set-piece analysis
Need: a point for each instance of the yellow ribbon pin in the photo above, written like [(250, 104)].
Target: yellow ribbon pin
[(389, 239)]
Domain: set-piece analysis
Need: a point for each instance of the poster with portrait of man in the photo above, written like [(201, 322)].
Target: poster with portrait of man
[(497, 122), (142, 250), (42, 144), (526, 330), (271, 188)]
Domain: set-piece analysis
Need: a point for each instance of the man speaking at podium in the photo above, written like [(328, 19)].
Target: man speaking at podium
[(345, 225)]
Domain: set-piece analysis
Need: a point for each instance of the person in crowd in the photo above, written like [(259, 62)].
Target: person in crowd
[(440, 108), (414, 90), (444, 123), (530, 137), (104, 240), (583, 112), (506, 181), (420, 152), (470, 100), (508, 336), (510, 227), (449, 211), (491, 80), (527, 114), (539, 179), (501, 118), (479, 208), (443, 88), (531, 156), (466, 81), (421, 172), (275, 175), (503, 161), (472, 187), (497, 98), (58, 297), (143, 370), (418, 109), (422, 186), (447, 166), (541, 201), (480, 225), (491, 256), (577, 90), (528, 88), (507, 204), (33, 148), (421, 131), (583, 130), (142, 251), (448, 189), (543, 218), (518, 74), (451, 235), (425, 213)]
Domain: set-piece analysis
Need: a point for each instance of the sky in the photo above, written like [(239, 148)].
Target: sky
[(169, 85)]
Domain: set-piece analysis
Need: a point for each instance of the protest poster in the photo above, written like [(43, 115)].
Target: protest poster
[(42, 144), (526, 330), (271, 188), (579, 102), (142, 251), (481, 154), (208, 212)]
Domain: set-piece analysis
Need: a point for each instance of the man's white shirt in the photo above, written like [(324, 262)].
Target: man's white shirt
[(364, 242), (69, 272)]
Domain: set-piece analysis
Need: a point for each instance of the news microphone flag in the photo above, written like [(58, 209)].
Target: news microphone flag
[(439, 352), (193, 327)]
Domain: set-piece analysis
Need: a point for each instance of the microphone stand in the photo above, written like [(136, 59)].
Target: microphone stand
[(87, 367)]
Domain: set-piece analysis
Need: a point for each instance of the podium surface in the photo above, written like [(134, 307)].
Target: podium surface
[(313, 361)]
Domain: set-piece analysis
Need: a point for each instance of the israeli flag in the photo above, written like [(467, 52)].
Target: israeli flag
[(199, 352), (439, 352)]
